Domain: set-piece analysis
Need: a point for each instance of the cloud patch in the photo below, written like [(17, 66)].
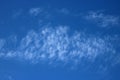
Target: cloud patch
[(35, 11), (58, 44), (63, 11), (102, 19)]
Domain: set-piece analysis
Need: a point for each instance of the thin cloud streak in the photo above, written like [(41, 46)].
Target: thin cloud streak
[(102, 19)]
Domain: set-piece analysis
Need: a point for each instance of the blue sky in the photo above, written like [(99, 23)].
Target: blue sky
[(59, 40)]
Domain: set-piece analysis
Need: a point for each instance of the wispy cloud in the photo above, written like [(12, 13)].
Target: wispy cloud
[(35, 11), (63, 11), (17, 14), (102, 19), (57, 45), (6, 77), (2, 42)]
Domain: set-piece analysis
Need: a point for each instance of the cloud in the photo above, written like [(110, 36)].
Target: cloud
[(102, 19), (35, 11), (6, 77), (17, 13), (63, 11), (58, 44), (2, 42)]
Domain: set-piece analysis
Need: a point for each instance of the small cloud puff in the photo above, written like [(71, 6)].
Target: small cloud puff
[(35, 11)]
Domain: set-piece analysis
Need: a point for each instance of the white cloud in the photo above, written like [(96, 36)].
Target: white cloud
[(102, 19), (55, 44), (35, 11)]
